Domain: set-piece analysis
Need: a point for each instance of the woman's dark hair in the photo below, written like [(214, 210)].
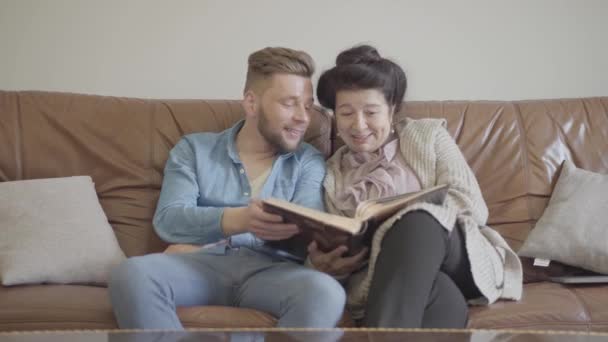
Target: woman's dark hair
[(362, 67)]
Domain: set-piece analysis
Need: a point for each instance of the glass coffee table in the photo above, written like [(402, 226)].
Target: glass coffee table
[(349, 335)]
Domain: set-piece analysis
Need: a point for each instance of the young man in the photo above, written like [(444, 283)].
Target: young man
[(209, 195)]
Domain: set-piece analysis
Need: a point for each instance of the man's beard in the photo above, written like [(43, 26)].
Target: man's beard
[(274, 138)]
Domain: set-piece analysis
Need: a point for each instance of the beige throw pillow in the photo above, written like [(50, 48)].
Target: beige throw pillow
[(574, 227), (54, 231)]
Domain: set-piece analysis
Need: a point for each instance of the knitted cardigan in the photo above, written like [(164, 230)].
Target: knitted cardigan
[(436, 159)]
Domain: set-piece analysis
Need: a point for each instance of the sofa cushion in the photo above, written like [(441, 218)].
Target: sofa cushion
[(543, 306), (225, 317), (230, 317), (43, 307), (54, 230), (574, 227), (40, 307), (88, 307)]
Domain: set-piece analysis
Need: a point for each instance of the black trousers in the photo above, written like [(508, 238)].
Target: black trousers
[(422, 277)]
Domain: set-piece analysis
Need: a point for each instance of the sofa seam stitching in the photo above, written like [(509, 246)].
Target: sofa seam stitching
[(152, 125), (19, 144)]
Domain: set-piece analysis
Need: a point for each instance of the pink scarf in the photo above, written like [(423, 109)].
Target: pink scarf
[(360, 176)]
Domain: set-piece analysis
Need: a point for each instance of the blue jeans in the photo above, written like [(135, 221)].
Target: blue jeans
[(146, 290)]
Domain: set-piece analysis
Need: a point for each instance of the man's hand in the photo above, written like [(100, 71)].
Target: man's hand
[(333, 263), (255, 220)]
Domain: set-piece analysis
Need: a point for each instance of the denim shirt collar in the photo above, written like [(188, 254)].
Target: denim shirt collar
[(231, 146)]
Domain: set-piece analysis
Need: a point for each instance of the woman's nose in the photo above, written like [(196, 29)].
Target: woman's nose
[(359, 122)]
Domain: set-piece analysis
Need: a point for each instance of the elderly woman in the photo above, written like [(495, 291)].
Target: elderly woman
[(427, 261)]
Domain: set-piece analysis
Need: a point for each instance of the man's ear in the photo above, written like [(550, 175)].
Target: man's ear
[(250, 103)]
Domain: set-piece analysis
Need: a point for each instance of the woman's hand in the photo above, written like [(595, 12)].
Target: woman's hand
[(333, 263)]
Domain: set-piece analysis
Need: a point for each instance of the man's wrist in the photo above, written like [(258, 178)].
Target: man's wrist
[(231, 221)]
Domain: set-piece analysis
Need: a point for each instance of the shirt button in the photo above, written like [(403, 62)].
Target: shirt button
[(242, 171), (246, 193)]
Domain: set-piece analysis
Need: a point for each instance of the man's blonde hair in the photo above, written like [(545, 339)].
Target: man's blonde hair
[(277, 60)]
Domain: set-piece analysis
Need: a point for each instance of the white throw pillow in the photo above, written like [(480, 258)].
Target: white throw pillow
[(574, 227), (55, 231)]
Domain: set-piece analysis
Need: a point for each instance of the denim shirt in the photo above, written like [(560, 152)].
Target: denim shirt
[(204, 174)]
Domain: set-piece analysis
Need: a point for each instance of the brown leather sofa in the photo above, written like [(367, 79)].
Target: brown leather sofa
[(514, 148)]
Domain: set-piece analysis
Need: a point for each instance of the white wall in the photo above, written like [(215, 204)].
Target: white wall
[(466, 49)]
